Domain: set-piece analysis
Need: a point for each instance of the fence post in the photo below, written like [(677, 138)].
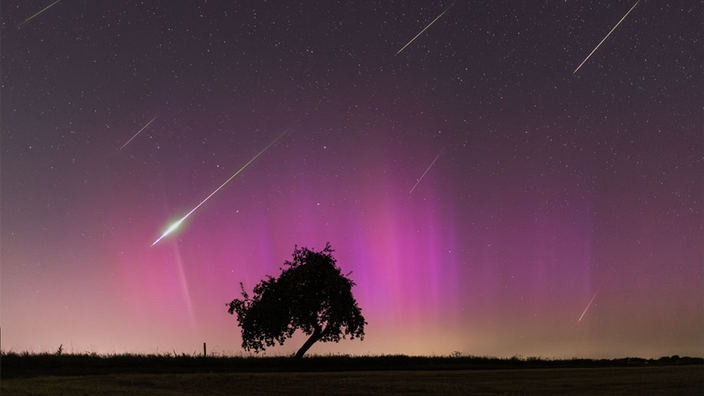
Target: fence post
[(204, 353)]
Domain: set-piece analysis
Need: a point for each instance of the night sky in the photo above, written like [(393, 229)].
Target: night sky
[(547, 189)]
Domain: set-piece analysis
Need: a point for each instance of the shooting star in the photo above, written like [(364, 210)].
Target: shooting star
[(426, 171), (607, 36), (32, 17), (588, 305), (175, 225), (426, 28), (138, 132)]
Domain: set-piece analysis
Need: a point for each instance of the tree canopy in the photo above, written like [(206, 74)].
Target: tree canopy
[(311, 294)]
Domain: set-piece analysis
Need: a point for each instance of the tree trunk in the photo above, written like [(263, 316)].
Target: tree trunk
[(317, 333)]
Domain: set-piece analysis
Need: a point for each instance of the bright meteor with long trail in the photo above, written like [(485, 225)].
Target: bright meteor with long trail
[(426, 28), (588, 305), (605, 37), (175, 225), (426, 171), (43, 9), (138, 132)]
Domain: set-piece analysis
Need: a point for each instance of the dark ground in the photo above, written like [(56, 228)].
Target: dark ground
[(91, 374), (664, 380), (32, 365)]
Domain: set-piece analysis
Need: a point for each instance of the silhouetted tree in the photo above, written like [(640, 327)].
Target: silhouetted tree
[(311, 294)]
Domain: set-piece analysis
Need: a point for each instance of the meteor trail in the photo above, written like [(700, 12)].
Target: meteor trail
[(426, 171), (605, 37), (135, 135), (175, 225), (426, 28), (44, 9), (588, 305)]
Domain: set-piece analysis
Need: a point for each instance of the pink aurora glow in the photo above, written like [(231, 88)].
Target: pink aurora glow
[(547, 186)]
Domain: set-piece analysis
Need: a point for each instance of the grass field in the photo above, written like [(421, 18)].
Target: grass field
[(57, 364), (668, 380), (173, 374)]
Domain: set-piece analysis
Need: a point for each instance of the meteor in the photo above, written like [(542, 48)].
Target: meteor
[(605, 37), (426, 28), (426, 171), (175, 225), (588, 305), (44, 9), (138, 132)]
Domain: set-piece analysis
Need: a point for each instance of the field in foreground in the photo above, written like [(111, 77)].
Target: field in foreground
[(25, 365), (668, 380)]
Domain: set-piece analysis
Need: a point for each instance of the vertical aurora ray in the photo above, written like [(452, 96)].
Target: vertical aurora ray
[(185, 290)]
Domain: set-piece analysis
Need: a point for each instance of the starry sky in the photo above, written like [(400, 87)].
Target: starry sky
[(481, 193)]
